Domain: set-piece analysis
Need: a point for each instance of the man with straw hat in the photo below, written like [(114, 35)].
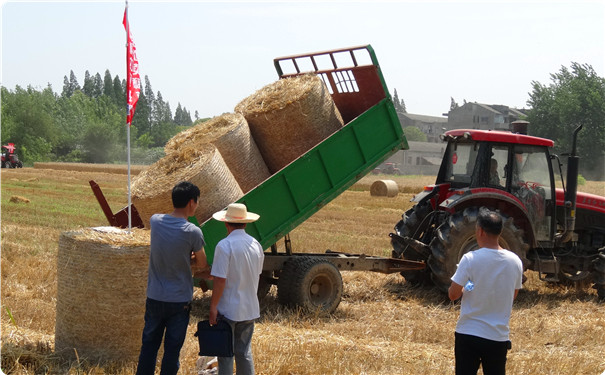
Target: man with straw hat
[(177, 246), (238, 263)]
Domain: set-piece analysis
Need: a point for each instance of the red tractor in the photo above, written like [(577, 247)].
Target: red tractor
[(9, 157), (557, 232)]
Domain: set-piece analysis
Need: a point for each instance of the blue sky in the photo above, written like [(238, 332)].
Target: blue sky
[(210, 55)]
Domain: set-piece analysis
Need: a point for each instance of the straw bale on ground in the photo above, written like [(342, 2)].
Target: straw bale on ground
[(289, 117), (101, 289), (384, 188), (230, 134), (203, 166)]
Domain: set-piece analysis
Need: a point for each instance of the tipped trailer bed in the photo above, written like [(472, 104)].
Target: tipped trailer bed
[(371, 133)]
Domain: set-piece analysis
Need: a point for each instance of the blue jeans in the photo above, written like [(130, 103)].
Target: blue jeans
[(168, 320), (242, 349)]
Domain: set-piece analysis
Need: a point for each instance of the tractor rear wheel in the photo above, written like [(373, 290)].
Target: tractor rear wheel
[(311, 283), (8, 164), (414, 224), (456, 236)]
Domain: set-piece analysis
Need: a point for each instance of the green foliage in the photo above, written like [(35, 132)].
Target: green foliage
[(581, 180), (575, 96), (87, 124), (412, 133)]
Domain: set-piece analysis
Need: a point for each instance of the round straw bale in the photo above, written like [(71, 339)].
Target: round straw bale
[(203, 166), (289, 117), (230, 134), (101, 291), (384, 188)]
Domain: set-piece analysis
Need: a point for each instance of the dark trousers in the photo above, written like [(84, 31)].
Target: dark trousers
[(472, 351), (168, 320)]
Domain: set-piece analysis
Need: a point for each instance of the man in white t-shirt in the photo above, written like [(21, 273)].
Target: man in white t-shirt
[(495, 276), (238, 263)]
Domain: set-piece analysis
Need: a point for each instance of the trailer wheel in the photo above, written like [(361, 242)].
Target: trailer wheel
[(599, 274), (456, 236), (310, 283), (414, 224)]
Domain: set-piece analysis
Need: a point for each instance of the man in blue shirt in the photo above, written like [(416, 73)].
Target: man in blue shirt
[(177, 246)]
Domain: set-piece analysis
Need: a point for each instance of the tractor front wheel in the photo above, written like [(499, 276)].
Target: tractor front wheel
[(456, 236), (599, 274), (415, 223), (310, 283)]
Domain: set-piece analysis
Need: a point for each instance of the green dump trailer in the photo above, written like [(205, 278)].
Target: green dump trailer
[(372, 132)]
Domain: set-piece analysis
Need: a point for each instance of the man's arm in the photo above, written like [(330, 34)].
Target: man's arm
[(199, 264), (218, 287), (455, 291)]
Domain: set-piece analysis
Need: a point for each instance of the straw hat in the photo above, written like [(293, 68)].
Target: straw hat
[(236, 213)]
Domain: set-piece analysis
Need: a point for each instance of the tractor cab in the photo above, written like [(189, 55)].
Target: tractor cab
[(508, 170)]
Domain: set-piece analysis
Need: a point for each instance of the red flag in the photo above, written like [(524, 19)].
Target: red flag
[(133, 79)]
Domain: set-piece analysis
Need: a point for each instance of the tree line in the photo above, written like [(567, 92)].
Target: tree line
[(87, 123)]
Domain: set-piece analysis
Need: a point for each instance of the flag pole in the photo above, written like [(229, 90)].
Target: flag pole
[(128, 126)]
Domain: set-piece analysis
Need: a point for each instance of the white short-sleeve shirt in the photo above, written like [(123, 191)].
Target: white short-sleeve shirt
[(485, 311), (238, 258)]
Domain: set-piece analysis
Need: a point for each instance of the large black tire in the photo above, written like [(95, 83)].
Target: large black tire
[(456, 237), (414, 224), (310, 283), (599, 274), (7, 164)]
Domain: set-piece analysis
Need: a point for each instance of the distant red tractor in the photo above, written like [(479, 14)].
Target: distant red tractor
[(9, 157), (387, 168), (557, 232)]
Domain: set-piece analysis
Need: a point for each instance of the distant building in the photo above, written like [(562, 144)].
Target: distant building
[(483, 116), (432, 126), (422, 158)]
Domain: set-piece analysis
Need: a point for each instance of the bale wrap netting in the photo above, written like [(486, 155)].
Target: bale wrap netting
[(384, 188), (289, 117), (230, 134), (101, 292), (203, 166)]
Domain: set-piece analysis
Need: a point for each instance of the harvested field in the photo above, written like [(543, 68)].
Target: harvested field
[(382, 326), (87, 167)]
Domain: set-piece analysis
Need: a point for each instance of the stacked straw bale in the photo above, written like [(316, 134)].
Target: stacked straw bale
[(289, 117), (102, 281), (203, 166), (230, 134), (384, 188)]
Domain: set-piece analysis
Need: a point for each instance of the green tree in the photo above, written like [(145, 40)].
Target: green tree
[(108, 85), (397, 103), (412, 133), (118, 93), (453, 104), (97, 90), (575, 96), (88, 86)]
